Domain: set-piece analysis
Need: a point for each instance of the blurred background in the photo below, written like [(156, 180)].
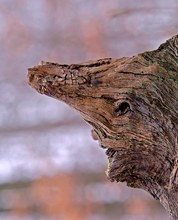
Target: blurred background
[(50, 168)]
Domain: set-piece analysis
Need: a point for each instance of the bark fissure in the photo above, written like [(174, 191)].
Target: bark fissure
[(132, 105), (138, 74)]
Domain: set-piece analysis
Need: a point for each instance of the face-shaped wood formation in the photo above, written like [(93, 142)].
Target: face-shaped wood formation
[(132, 104)]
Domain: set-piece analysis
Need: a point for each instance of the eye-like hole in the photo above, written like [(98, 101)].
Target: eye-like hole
[(123, 108)]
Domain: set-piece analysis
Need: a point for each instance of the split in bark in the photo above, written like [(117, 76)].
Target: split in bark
[(132, 104)]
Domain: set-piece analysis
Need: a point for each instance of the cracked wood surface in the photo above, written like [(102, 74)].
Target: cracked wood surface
[(132, 105)]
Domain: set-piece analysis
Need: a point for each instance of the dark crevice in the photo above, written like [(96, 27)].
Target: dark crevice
[(123, 108)]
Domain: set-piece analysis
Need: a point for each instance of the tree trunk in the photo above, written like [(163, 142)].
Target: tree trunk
[(132, 104)]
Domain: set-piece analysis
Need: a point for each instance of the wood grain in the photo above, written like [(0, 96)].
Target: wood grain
[(132, 105)]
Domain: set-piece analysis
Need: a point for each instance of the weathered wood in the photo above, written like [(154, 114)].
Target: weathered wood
[(132, 104)]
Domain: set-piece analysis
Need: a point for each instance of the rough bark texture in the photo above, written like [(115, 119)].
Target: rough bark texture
[(132, 104)]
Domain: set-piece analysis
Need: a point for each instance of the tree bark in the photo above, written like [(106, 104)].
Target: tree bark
[(132, 104)]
